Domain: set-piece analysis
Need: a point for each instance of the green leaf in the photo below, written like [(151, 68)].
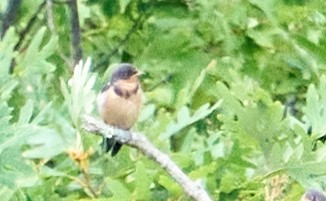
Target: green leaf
[(79, 96), (119, 191), (7, 86), (199, 80), (315, 109), (184, 119), (42, 115), (229, 182), (26, 113), (147, 112), (6, 193), (266, 6), (50, 172), (35, 59), (7, 53), (161, 96), (6, 129), (5, 117), (143, 179), (14, 170), (231, 105), (173, 188), (309, 174), (204, 171), (123, 5), (44, 142), (263, 38)]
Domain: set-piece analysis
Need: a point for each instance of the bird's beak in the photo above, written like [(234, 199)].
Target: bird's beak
[(140, 73)]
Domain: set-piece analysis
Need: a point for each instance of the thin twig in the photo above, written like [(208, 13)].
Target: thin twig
[(77, 180), (30, 23), (77, 51), (193, 189), (166, 79), (51, 25), (81, 158), (104, 60), (88, 183)]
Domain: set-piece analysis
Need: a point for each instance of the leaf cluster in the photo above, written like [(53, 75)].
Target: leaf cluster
[(235, 94)]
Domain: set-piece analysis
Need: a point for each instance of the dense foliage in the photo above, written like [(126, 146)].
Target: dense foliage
[(264, 59)]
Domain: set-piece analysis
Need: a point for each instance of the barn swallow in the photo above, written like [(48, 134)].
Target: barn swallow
[(120, 101)]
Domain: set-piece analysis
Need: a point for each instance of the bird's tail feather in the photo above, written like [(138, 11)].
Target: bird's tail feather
[(109, 144), (117, 146)]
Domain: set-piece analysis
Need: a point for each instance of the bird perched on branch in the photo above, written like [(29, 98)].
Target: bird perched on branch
[(120, 101)]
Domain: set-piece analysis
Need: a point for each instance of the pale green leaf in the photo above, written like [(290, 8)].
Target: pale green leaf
[(44, 143), (315, 109), (143, 180), (26, 112), (14, 170), (35, 59), (266, 6), (78, 94), (146, 112), (173, 188), (42, 115), (309, 174), (6, 193), (50, 172), (184, 119), (119, 191), (7, 86), (123, 5), (7, 45)]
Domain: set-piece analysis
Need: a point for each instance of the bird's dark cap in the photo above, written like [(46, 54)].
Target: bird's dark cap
[(123, 72)]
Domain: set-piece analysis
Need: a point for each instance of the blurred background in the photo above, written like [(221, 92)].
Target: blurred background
[(265, 60)]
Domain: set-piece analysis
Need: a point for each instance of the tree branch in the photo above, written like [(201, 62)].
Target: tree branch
[(137, 140), (51, 25), (29, 25), (105, 59), (77, 51)]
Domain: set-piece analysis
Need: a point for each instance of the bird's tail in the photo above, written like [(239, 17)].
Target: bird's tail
[(110, 144)]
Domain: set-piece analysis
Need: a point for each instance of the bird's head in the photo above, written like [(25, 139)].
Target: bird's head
[(125, 73)]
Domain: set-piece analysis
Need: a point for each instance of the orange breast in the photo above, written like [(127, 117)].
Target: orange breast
[(119, 111)]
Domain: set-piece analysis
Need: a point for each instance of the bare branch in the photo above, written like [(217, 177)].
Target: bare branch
[(105, 59), (193, 189), (51, 25), (30, 23), (77, 51)]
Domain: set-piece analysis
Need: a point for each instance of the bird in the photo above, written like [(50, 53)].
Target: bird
[(119, 102)]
